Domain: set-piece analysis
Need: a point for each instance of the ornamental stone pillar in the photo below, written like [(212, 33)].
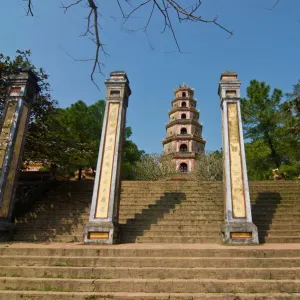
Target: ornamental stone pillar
[(23, 90), (238, 227), (103, 222)]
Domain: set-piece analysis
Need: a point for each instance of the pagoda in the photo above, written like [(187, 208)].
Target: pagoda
[(184, 132)]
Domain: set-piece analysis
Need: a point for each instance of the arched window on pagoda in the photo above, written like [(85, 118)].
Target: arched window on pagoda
[(183, 131), (183, 116), (183, 104), (183, 148), (183, 167), (184, 94)]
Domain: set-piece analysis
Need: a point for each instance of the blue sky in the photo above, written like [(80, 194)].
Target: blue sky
[(265, 46)]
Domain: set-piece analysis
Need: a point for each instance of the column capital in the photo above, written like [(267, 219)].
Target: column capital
[(229, 86), (117, 87), (24, 84)]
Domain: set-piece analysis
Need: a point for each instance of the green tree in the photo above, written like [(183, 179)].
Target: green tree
[(269, 123), (262, 117), (44, 105), (73, 138), (291, 109), (130, 157), (259, 164)]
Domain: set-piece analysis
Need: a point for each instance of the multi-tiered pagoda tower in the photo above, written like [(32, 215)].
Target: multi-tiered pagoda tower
[(184, 133)]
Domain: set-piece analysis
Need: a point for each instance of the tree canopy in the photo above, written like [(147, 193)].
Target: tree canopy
[(45, 104), (69, 137), (73, 137), (270, 122)]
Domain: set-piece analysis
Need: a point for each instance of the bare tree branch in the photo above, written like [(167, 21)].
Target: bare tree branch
[(274, 5), (93, 30), (29, 8), (166, 8), (66, 7)]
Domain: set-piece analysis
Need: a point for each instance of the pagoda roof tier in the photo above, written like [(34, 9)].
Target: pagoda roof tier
[(184, 99), (184, 154), (184, 122), (183, 109), (176, 137)]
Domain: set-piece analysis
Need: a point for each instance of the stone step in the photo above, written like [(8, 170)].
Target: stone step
[(162, 223), (30, 295), (149, 218), (188, 206), (280, 239), (171, 233), (141, 262), (177, 213), (204, 227), (49, 239), (275, 233), (172, 239), (79, 250), (277, 217), (192, 222), (201, 232), (149, 272), (73, 238), (182, 192), (52, 231), (151, 285)]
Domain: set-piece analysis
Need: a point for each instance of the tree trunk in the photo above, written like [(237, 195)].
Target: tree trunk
[(79, 174), (273, 152)]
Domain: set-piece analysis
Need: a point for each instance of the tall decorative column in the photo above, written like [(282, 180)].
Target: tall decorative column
[(238, 227), (23, 90), (103, 223)]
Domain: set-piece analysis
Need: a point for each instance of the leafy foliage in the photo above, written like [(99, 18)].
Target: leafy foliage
[(155, 167), (271, 125), (44, 105), (291, 109), (209, 167), (262, 117), (73, 138), (68, 138)]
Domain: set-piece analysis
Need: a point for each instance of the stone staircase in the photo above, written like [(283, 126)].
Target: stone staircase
[(173, 223), (163, 212), (171, 212), (149, 271)]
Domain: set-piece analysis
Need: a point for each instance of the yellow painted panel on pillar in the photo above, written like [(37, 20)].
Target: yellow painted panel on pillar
[(6, 130), (98, 235), (236, 173), (13, 168), (107, 161), (241, 235)]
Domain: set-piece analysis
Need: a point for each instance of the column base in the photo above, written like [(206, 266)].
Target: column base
[(101, 233), (239, 233), (6, 231)]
